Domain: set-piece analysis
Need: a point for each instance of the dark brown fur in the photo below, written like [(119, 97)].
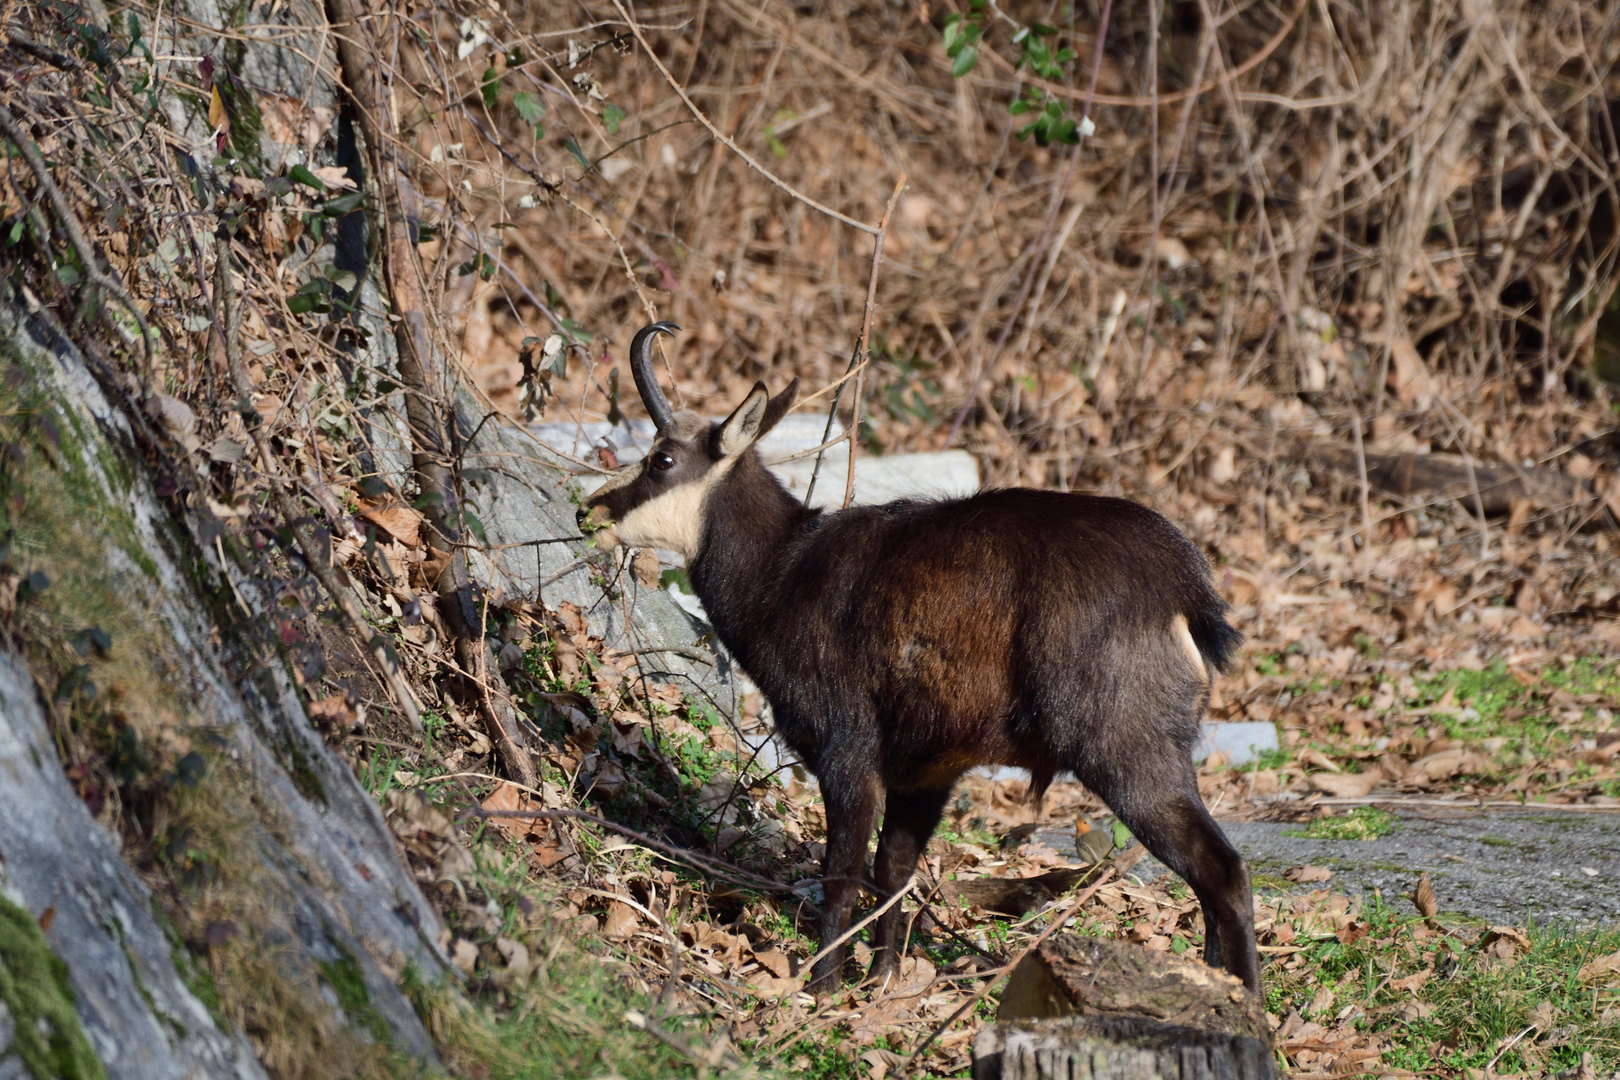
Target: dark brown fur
[(901, 645)]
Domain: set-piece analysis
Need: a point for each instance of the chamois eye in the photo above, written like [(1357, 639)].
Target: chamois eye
[(662, 461)]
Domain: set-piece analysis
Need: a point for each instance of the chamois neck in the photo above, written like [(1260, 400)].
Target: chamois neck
[(749, 521)]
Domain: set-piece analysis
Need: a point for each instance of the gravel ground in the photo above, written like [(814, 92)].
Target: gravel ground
[(1504, 867)]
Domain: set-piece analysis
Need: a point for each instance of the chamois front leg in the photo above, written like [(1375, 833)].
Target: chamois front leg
[(909, 819), (852, 806)]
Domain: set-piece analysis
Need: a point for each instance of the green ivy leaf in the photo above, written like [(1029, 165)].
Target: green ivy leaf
[(303, 176), (964, 62), (529, 107), (1122, 835), (579, 155), (491, 86), (612, 117), (343, 204)]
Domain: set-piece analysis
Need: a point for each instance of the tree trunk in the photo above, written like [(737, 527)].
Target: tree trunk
[(1091, 1007), (1429, 476)]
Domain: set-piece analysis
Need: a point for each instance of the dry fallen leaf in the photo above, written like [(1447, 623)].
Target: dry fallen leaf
[(774, 961), (509, 797), (1347, 785), (1313, 756), (177, 419), (1504, 942), (646, 566), (1413, 982), (1352, 932), (1423, 898), (1307, 873), (217, 118), (333, 176), (1415, 1010), (464, 954), (288, 122), (400, 522), (1601, 968), (620, 921)]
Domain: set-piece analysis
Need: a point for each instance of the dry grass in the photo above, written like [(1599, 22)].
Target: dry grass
[(1394, 232)]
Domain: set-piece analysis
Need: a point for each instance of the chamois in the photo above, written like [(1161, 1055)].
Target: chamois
[(901, 645)]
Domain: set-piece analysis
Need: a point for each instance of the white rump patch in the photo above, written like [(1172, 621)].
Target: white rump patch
[(1184, 638)]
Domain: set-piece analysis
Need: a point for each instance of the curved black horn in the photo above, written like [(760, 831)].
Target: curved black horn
[(646, 382)]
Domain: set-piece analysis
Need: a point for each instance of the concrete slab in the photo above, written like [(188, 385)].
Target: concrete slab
[(878, 479), (1242, 741)]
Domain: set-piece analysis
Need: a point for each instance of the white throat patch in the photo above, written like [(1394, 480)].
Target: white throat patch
[(674, 520)]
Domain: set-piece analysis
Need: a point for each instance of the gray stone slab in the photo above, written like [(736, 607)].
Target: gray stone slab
[(878, 479), (1241, 742)]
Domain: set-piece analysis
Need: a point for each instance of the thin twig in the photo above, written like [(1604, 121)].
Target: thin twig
[(1366, 507), (726, 140), (996, 976), (827, 950), (324, 572), (70, 225), (861, 346), (1137, 102), (857, 364), (1046, 229), (706, 863)]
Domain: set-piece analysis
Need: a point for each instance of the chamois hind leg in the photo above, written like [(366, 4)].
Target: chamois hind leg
[(852, 808), (909, 820), (1156, 796)]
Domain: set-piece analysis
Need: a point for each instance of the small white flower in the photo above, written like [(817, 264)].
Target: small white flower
[(474, 32), (1087, 128)]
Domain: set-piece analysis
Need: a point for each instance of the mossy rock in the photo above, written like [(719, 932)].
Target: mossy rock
[(38, 1024)]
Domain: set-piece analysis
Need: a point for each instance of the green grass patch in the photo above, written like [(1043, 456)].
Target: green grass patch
[(1472, 1004), (1362, 823), (571, 1020), (1494, 704)]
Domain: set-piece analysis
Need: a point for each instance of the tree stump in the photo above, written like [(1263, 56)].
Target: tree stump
[(1082, 1008)]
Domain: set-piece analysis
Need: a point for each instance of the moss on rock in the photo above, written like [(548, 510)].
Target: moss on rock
[(44, 1029)]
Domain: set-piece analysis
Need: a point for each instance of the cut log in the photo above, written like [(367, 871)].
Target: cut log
[(1447, 476), (1093, 1007)]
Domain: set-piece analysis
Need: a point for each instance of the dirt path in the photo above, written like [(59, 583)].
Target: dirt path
[(1498, 866)]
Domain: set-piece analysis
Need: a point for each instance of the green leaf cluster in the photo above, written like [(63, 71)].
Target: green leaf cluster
[(962, 33)]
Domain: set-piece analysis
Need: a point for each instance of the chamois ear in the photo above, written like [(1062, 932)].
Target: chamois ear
[(778, 408), (739, 430)]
